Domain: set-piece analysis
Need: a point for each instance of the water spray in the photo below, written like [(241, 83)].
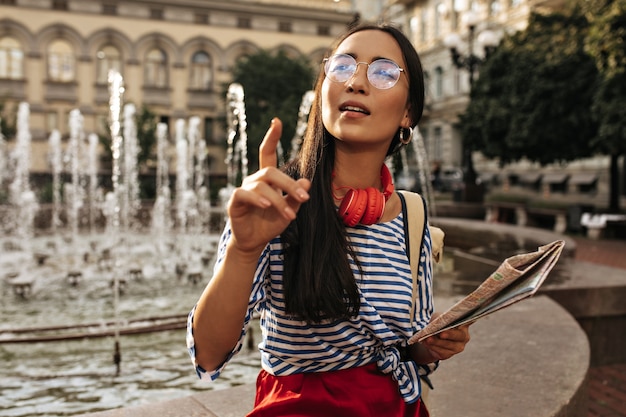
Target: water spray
[(116, 89)]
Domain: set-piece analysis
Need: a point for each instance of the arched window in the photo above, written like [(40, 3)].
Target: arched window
[(11, 59), (438, 82), (156, 68), (201, 71), (107, 58), (427, 86), (439, 16), (424, 25), (61, 61)]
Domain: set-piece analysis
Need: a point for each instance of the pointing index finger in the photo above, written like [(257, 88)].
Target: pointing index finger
[(267, 150)]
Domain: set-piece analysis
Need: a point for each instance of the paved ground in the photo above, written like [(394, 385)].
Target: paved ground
[(607, 387)]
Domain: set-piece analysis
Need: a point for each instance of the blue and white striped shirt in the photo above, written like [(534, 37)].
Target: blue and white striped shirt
[(382, 325)]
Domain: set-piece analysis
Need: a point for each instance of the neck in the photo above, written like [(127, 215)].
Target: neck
[(383, 183)]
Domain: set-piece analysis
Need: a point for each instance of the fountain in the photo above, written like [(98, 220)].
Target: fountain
[(95, 286), (303, 117), (237, 141)]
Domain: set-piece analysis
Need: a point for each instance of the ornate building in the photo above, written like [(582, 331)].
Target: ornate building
[(174, 56)]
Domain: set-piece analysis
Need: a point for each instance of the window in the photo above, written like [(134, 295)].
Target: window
[(107, 58), (426, 140), (424, 26), (209, 124), (109, 9), (201, 75), (61, 62), (201, 18), (52, 121), (437, 145), (438, 82), (457, 81), (156, 14), (156, 68), (285, 27), (458, 6), (59, 4), (11, 59), (438, 18), (323, 30), (244, 22), (427, 86), (102, 124), (494, 7)]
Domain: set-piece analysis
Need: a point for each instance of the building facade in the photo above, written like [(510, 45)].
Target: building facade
[(174, 57), (430, 23)]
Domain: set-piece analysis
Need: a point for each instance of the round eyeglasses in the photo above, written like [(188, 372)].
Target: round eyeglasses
[(382, 73)]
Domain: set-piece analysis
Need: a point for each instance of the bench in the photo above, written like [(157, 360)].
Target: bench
[(524, 215), (556, 217), (598, 223)]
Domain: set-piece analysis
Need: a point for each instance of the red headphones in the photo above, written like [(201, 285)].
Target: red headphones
[(366, 206)]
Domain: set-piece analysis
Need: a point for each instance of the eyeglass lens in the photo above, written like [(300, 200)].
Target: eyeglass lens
[(381, 73)]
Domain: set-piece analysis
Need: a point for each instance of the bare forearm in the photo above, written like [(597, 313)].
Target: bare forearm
[(221, 309)]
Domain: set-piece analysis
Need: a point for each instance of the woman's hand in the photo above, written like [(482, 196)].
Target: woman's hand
[(267, 201), (447, 343)]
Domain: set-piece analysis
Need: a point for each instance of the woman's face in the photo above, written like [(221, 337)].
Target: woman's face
[(354, 111)]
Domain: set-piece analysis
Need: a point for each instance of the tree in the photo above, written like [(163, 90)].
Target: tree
[(8, 122), (606, 42), (273, 85), (534, 94), (146, 124)]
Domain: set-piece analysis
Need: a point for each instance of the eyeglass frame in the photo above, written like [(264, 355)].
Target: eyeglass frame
[(326, 62)]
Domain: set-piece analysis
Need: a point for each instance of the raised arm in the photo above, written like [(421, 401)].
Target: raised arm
[(259, 210)]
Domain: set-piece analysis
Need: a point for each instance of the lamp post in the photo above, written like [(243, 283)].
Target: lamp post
[(470, 62)]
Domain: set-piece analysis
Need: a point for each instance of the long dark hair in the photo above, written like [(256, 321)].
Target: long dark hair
[(318, 280)]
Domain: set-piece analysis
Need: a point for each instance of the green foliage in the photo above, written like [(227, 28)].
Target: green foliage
[(146, 123), (609, 108), (606, 40), (556, 92), (273, 86), (533, 96), (8, 122)]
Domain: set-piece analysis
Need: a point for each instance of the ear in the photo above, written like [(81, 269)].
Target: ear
[(406, 118)]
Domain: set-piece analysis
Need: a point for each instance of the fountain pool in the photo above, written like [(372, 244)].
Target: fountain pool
[(77, 374)]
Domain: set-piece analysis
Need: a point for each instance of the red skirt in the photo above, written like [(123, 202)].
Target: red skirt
[(355, 392)]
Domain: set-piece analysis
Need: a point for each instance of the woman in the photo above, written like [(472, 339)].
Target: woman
[(318, 249)]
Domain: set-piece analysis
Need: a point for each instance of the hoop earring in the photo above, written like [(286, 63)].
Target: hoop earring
[(408, 139)]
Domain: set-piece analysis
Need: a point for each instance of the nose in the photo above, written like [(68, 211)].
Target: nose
[(358, 81)]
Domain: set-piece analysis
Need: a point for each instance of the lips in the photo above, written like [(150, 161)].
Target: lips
[(354, 107)]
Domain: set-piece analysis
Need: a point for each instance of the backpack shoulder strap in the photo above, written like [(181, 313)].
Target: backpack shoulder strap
[(414, 210)]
